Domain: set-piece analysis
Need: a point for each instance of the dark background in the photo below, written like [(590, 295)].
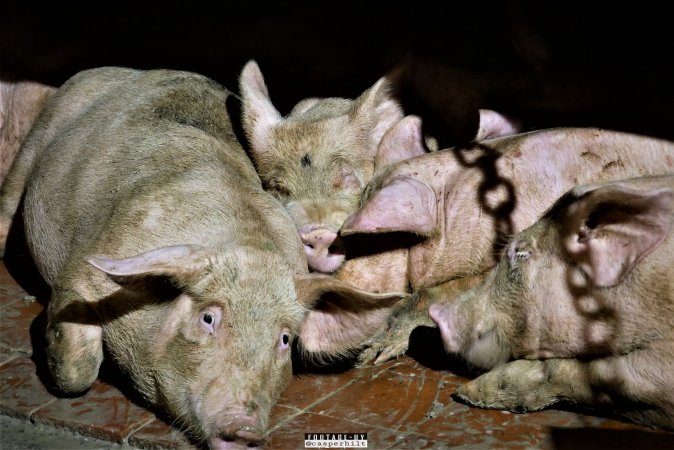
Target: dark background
[(551, 63)]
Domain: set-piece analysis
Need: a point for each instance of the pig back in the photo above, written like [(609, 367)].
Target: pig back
[(512, 182), (148, 159)]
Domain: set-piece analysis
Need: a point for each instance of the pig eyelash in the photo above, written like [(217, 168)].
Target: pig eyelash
[(517, 255), (521, 255), (483, 334)]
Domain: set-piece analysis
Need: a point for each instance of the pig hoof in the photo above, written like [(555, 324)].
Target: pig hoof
[(367, 357), (391, 341), (379, 353), (74, 356)]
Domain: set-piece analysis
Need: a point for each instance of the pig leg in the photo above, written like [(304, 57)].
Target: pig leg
[(74, 341), (392, 338), (643, 376)]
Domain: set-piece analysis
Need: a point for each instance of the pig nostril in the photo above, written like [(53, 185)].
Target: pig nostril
[(252, 445)]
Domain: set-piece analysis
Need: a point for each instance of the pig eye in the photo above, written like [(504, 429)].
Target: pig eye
[(210, 319), (284, 340), (484, 333), (305, 161)]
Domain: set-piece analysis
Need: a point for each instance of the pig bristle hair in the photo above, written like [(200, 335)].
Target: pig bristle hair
[(182, 423), (325, 359)]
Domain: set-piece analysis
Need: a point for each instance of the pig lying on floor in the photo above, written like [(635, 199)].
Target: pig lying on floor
[(144, 214), (465, 202), (583, 302), (318, 159)]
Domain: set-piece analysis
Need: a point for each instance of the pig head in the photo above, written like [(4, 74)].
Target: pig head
[(582, 302), (318, 159), (144, 214)]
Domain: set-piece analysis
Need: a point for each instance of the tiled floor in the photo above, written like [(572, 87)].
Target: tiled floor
[(401, 404)]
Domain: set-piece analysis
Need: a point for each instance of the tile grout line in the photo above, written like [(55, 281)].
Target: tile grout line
[(31, 414), (16, 355), (315, 402), (138, 428), (306, 409)]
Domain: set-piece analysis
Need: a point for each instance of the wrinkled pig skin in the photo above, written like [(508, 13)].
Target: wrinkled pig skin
[(318, 159), (20, 104), (148, 220), (466, 202), (582, 301)]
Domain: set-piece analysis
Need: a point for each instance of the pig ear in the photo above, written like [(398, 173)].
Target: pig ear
[(403, 204), (259, 114), (310, 288), (341, 316), (377, 110), (494, 124), (610, 229), (178, 262), (403, 140)]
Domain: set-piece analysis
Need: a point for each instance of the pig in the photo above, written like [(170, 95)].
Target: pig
[(20, 103), (318, 159), (465, 202), (578, 308), (148, 220)]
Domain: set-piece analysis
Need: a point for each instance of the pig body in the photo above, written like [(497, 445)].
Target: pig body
[(467, 202), (147, 219), (582, 302)]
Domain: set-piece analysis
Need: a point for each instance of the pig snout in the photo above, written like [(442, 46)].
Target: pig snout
[(323, 247), (445, 317), (236, 431), (480, 342)]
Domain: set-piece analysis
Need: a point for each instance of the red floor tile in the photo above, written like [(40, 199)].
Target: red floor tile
[(101, 412), (7, 355), (21, 391), (389, 400), (16, 319)]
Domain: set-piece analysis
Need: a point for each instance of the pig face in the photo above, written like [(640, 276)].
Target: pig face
[(318, 159), (560, 289), (215, 350)]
